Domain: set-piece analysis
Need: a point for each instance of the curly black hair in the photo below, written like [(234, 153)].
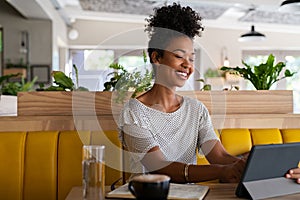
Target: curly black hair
[(174, 17), (171, 21)]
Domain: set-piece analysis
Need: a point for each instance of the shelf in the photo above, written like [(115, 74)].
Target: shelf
[(15, 71)]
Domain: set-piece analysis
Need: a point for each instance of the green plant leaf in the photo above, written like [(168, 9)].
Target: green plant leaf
[(145, 56), (76, 75), (62, 80), (206, 87), (28, 86), (82, 89), (117, 67), (264, 75), (11, 88), (55, 88), (7, 77), (288, 73), (200, 80), (123, 81)]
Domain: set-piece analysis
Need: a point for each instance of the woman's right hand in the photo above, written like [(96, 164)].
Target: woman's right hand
[(294, 174), (232, 173)]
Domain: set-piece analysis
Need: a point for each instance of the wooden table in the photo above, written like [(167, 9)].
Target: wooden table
[(222, 191)]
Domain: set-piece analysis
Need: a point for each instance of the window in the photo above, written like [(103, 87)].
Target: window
[(131, 62), (93, 64), (97, 59), (293, 64)]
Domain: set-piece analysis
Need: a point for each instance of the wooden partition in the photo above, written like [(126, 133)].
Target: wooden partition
[(104, 103), (98, 110)]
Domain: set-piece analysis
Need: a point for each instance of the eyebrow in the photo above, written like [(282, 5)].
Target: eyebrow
[(193, 53)]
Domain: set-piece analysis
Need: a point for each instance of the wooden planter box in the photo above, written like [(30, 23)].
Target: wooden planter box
[(66, 103), (102, 103), (245, 101)]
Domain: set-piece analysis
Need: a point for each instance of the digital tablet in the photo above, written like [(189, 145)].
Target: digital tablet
[(268, 162)]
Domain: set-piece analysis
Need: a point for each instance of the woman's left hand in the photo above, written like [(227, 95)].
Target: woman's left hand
[(294, 174)]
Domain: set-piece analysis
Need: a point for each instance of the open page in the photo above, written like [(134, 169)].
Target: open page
[(177, 192)]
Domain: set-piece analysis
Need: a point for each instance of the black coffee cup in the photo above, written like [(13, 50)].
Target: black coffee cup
[(150, 186)]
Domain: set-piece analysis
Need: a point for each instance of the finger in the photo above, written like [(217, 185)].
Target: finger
[(296, 170), (293, 173), (294, 176)]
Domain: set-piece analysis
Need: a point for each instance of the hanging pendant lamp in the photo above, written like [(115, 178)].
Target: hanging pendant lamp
[(252, 36), (290, 6)]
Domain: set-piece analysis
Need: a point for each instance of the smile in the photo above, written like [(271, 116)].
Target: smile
[(183, 75)]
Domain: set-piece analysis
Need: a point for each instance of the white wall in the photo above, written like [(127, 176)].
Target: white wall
[(104, 33), (39, 34), (59, 34)]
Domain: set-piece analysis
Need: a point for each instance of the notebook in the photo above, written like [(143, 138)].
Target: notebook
[(266, 166), (176, 192)]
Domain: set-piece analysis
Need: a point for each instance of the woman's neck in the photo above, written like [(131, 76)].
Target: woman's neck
[(161, 98)]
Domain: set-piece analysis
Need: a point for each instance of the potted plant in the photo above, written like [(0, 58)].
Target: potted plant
[(8, 87), (123, 84), (213, 79), (262, 76), (9, 90), (123, 81), (63, 83)]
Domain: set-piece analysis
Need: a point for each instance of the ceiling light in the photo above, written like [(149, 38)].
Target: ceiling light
[(226, 62), (224, 56), (73, 34), (252, 36), (290, 6), (24, 42)]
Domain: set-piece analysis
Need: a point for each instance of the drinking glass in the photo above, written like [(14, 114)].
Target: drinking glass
[(93, 172)]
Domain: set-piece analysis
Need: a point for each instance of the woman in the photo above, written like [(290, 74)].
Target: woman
[(162, 130)]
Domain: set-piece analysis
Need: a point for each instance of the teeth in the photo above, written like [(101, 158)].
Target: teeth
[(181, 73)]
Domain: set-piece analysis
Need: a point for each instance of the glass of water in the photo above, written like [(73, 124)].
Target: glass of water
[(93, 172)]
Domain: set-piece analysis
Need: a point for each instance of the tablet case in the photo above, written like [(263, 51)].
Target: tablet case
[(265, 169)]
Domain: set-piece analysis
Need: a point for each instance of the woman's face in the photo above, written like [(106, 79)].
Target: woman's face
[(177, 63)]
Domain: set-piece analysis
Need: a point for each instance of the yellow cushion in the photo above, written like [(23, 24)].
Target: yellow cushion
[(12, 146), (290, 135), (40, 171), (217, 133), (113, 153), (70, 160), (236, 141), (201, 159), (266, 136)]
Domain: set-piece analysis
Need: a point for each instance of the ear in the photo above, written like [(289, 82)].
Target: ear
[(155, 57)]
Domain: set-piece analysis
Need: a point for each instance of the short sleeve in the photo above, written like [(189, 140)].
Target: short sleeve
[(206, 130), (135, 134)]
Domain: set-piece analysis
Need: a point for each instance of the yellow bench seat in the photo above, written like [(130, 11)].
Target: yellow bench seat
[(47, 164)]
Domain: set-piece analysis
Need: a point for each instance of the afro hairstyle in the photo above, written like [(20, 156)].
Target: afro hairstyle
[(177, 18), (168, 22)]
